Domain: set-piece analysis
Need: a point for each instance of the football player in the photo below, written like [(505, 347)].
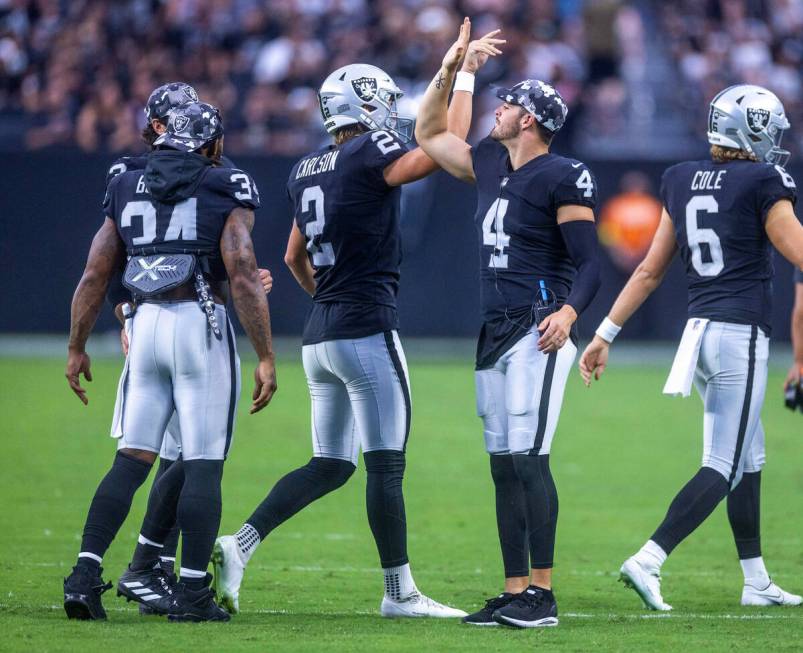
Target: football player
[(160, 103), (539, 271), (722, 215), (185, 224), (345, 250), (793, 385)]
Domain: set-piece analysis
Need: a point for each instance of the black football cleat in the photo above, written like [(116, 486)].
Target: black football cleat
[(82, 591), (535, 607), (151, 588), (484, 616), (196, 605)]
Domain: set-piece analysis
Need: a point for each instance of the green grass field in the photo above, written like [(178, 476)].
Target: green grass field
[(621, 452)]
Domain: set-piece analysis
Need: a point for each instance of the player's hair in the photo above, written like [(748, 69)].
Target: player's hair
[(149, 133), (348, 132), (543, 133), (213, 150), (721, 154)]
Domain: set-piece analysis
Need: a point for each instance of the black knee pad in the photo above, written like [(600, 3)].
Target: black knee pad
[(330, 473), (385, 461)]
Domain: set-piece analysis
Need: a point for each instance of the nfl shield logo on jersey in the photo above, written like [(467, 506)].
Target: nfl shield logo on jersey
[(365, 87), (758, 119)]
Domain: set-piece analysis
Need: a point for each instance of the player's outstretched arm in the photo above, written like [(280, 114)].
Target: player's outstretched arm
[(417, 164), (785, 232), (449, 151), (105, 257), (642, 282), (250, 301), (297, 260)]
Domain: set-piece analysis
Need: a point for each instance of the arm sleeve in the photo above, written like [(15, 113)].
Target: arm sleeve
[(581, 241), (776, 184), (577, 187)]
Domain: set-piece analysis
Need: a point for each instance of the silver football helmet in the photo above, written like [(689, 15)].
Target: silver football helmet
[(751, 118), (362, 94)]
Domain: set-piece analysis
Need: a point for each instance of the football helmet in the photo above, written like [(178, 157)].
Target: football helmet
[(167, 97), (191, 126), (538, 98), (363, 94), (750, 118)]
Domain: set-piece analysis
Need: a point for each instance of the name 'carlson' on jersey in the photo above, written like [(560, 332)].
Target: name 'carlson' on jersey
[(516, 220), (349, 217), (718, 211), (178, 204)]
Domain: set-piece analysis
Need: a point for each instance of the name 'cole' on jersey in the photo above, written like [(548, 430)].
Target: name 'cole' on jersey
[(718, 211), (516, 220), (178, 204), (349, 217)]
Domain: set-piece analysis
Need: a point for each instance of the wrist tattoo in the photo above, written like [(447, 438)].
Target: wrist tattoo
[(440, 81)]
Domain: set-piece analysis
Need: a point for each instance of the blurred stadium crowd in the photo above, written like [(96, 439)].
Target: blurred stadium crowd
[(637, 75)]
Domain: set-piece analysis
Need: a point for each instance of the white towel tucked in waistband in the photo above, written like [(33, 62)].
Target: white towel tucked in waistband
[(681, 375)]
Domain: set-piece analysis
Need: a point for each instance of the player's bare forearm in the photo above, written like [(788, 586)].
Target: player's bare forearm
[(297, 260), (785, 232), (250, 302), (648, 275), (105, 256)]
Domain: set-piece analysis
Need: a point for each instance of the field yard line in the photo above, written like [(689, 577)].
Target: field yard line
[(569, 615)]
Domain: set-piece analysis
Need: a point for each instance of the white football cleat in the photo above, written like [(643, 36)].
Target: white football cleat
[(770, 595), (646, 582), (418, 605), (229, 569)]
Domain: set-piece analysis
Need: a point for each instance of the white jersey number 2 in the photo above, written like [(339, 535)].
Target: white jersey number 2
[(322, 253), (697, 236)]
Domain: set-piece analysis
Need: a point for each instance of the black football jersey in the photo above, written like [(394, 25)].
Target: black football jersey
[(349, 218), (718, 211), (186, 216), (138, 162), (520, 241)]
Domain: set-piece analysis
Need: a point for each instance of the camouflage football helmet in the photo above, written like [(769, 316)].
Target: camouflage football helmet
[(750, 118), (539, 99), (167, 97), (191, 126), (366, 95)]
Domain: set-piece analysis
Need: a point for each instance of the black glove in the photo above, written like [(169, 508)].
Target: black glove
[(793, 396)]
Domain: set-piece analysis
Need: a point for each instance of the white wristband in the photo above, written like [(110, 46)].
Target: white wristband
[(464, 82), (608, 330)]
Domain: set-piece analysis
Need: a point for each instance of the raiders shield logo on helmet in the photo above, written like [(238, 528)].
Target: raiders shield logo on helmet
[(180, 123), (365, 87), (757, 119), (191, 93)]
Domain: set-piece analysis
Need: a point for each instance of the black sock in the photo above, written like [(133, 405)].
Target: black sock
[(171, 541), (199, 508), (744, 508), (146, 555), (160, 517), (385, 503), (511, 520), (111, 503), (691, 507), (541, 503), (298, 489)]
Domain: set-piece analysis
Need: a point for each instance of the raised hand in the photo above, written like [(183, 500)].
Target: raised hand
[(479, 51), (455, 53)]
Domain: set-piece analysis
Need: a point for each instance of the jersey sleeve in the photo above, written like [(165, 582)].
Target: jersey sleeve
[(110, 198), (118, 167), (578, 186), (775, 184), (379, 150), (238, 186), (798, 275), (485, 157)]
